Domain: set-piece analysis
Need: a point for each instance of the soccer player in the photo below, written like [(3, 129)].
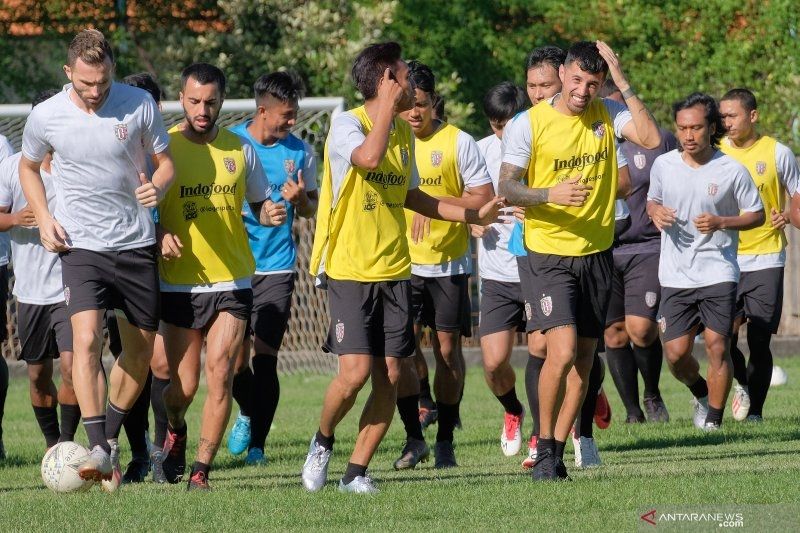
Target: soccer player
[(102, 134), (369, 177), (290, 163), (699, 198), (206, 265), (762, 250), (631, 335), (566, 150), (6, 150), (451, 168)]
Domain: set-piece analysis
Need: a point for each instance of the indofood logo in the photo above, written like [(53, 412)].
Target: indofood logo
[(579, 162), (430, 181), (386, 180), (206, 191)]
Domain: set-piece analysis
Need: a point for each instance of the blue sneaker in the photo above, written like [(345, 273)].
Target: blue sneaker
[(255, 457), (239, 439)]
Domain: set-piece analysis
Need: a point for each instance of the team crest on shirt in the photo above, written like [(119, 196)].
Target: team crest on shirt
[(713, 189), (662, 324), (650, 298), (547, 305), (288, 166), (230, 164), (339, 332), (66, 295), (436, 158), (404, 155), (761, 167), (121, 131), (599, 129), (640, 160), (528, 311)]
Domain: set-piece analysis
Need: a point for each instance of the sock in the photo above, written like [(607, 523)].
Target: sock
[(545, 444), (70, 418), (559, 448), (136, 422), (759, 368), (448, 415), (159, 410), (3, 389), (180, 431), (586, 415), (532, 371), (714, 415), (699, 389), (622, 366), (409, 414), (649, 360), (425, 398), (115, 417), (242, 385), (739, 363), (200, 467), (353, 471), (264, 395), (325, 442), (47, 417), (510, 402), (95, 427)]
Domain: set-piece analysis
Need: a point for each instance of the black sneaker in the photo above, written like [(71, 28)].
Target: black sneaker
[(635, 419), (174, 464), (561, 470), (198, 481), (544, 468), (656, 410), (444, 456), (428, 416), (137, 470)]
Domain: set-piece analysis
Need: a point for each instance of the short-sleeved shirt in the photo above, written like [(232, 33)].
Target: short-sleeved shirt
[(37, 278), (723, 187), (6, 150), (96, 163), (5, 147)]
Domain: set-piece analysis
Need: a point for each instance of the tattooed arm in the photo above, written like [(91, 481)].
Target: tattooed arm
[(571, 192)]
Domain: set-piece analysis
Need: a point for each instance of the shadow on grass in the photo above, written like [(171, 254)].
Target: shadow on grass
[(702, 439)]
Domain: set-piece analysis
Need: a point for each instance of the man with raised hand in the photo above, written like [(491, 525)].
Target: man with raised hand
[(102, 134)]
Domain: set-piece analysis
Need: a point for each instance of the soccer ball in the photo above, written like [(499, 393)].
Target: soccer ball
[(778, 377), (60, 467)]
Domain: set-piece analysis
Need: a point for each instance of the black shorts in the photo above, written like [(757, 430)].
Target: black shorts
[(635, 290), (4, 296), (759, 297), (196, 310), (44, 331), (371, 318), (526, 286), (442, 303), (571, 290), (272, 305), (502, 307), (126, 280), (681, 310)]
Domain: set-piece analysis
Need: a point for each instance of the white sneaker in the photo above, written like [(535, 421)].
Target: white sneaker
[(740, 402), (315, 469), (511, 436), (527, 463), (700, 411), (359, 485), (111, 485), (586, 454), (576, 445), (97, 465), (710, 426)]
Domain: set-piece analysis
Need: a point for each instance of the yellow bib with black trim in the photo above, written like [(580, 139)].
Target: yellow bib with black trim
[(759, 159), (362, 236), (203, 207), (437, 164), (565, 147)]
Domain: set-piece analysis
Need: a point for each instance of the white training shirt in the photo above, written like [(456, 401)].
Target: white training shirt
[(96, 164), (37, 276), (6, 149), (690, 259)]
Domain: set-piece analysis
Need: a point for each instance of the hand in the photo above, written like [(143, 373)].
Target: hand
[(53, 236), (571, 192), (488, 213), (708, 223), (147, 193), (519, 213), (420, 228), (389, 91), (273, 213), (663, 217), (779, 220), (25, 218), (169, 243), (614, 67), (295, 193), (478, 231)]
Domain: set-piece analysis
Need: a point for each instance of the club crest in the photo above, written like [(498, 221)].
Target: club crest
[(66, 295), (547, 305), (650, 298), (599, 129), (404, 156), (230, 164), (436, 158), (640, 160), (761, 167), (713, 189), (288, 166), (121, 131), (662, 324), (528, 311), (339, 332)]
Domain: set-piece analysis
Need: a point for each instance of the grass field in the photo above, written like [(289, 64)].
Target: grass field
[(753, 469)]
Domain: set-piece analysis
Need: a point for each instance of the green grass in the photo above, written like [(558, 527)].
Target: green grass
[(645, 466)]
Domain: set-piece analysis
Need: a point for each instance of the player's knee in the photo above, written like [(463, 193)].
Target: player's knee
[(85, 342), (643, 334), (352, 382), (616, 336), (39, 378), (716, 346)]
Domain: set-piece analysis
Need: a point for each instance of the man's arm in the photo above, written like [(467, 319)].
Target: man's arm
[(24, 217), (372, 151), (570, 193), (431, 207), (269, 213), (53, 236), (708, 223)]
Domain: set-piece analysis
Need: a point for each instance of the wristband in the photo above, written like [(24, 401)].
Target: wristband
[(628, 93)]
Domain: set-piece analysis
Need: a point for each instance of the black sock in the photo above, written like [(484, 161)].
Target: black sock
[(545, 444), (47, 417), (136, 422), (242, 387), (409, 414), (115, 417), (325, 442), (622, 367), (510, 402), (3, 387), (699, 389), (448, 415), (95, 427), (532, 371), (559, 448), (70, 418), (160, 420), (425, 398), (759, 368), (714, 415), (264, 396), (200, 467), (353, 471), (739, 363), (586, 415), (180, 431), (649, 360)]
